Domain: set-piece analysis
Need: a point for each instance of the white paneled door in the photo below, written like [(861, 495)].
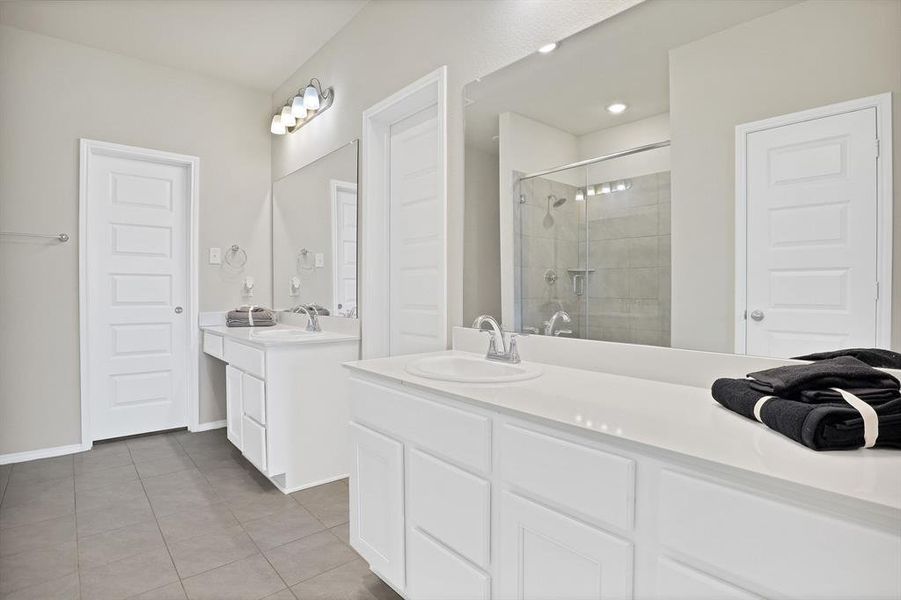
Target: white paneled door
[(404, 231), (416, 253), (812, 235), (344, 232), (135, 279)]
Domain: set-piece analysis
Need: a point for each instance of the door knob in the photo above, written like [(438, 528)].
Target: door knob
[(179, 310), (757, 315)]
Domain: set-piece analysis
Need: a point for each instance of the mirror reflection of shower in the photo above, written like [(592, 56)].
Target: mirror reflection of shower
[(611, 248), (557, 203)]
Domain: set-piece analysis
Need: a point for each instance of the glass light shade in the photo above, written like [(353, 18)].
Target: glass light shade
[(288, 119), (580, 197), (605, 188), (277, 127), (311, 98), (298, 109), (590, 190)]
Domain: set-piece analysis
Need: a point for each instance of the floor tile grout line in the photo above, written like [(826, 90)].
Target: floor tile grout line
[(156, 520), (262, 553)]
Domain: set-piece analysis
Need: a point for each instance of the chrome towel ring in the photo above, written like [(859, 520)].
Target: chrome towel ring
[(236, 257)]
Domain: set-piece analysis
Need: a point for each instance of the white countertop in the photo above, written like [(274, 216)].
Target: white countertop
[(248, 335), (676, 418)]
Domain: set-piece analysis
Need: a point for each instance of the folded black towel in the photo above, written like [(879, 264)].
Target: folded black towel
[(844, 372), (875, 357), (826, 426), (871, 396)]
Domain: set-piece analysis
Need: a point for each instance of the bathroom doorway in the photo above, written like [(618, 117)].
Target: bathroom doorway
[(138, 291)]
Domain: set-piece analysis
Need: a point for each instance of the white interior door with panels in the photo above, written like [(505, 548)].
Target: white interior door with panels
[(815, 267), (404, 233), (344, 242), (137, 296)]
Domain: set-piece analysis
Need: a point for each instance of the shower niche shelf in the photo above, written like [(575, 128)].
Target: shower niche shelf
[(578, 275)]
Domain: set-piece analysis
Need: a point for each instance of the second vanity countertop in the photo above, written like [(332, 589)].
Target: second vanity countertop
[(672, 417), (251, 335)]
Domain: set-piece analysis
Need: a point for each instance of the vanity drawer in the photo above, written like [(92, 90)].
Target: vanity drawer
[(437, 574), (458, 435), (593, 483), (784, 548), (212, 344), (248, 359), (254, 448), (253, 392), (451, 505)]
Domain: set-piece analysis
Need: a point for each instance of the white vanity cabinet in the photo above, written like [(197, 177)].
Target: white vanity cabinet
[(286, 403), (452, 500)]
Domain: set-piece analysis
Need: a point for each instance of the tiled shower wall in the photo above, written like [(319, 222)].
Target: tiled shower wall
[(547, 240), (627, 244), (629, 248)]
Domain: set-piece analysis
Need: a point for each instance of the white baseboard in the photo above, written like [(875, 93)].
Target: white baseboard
[(208, 426), (304, 486), (17, 457)]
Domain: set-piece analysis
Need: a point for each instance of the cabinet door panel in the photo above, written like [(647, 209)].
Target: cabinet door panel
[(545, 554), (234, 407), (253, 395), (679, 582), (377, 502), (436, 573), (254, 438), (451, 505)]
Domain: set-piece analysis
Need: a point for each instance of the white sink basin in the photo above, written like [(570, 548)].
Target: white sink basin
[(470, 370), (281, 334)]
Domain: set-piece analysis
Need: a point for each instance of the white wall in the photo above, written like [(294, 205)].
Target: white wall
[(808, 55), (622, 137), (391, 43), (51, 94), (482, 266)]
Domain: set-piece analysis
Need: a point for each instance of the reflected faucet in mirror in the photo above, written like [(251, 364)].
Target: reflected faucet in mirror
[(508, 352), (550, 326), (312, 316)]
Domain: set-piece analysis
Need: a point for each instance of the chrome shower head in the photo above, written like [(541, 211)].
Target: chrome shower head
[(557, 202)]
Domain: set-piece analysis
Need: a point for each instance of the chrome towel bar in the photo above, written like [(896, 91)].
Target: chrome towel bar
[(62, 237)]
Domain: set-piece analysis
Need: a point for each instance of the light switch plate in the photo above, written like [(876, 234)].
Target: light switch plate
[(320, 259), (215, 256)]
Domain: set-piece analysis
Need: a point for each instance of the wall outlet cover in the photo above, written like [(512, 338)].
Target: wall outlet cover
[(215, 256), (320, 259)]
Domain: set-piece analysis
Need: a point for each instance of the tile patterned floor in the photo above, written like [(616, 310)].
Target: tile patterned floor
[(172, 516)]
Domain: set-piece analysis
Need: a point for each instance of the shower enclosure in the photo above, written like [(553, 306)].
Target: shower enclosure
[(592, 240)]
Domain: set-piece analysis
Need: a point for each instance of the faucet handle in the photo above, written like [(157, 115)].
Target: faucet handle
[(513, 351), (492, 343)]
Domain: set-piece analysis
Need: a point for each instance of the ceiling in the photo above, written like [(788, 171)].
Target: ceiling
[(255, 43), (623, 59)]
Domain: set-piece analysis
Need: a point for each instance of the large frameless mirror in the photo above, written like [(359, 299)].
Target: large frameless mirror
[(699, 174), (314, 236)]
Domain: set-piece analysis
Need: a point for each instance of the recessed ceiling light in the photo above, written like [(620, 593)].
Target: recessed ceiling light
[(617, 107), (548, 48)]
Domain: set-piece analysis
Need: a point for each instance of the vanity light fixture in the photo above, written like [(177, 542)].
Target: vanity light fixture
[(277, 127), (616, 108), (548, 48), (614, 186), (298, 109), (287, 118), (309, 102), (580, 195)]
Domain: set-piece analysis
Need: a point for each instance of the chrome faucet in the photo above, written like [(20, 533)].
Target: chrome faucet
[(312, 317), (550, 327), (507, 353)]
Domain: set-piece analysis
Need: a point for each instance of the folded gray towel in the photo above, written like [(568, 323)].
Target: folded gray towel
[(250, 316)]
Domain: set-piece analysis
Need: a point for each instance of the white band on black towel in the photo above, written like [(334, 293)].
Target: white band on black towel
[(759, 405), (870, 418)]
